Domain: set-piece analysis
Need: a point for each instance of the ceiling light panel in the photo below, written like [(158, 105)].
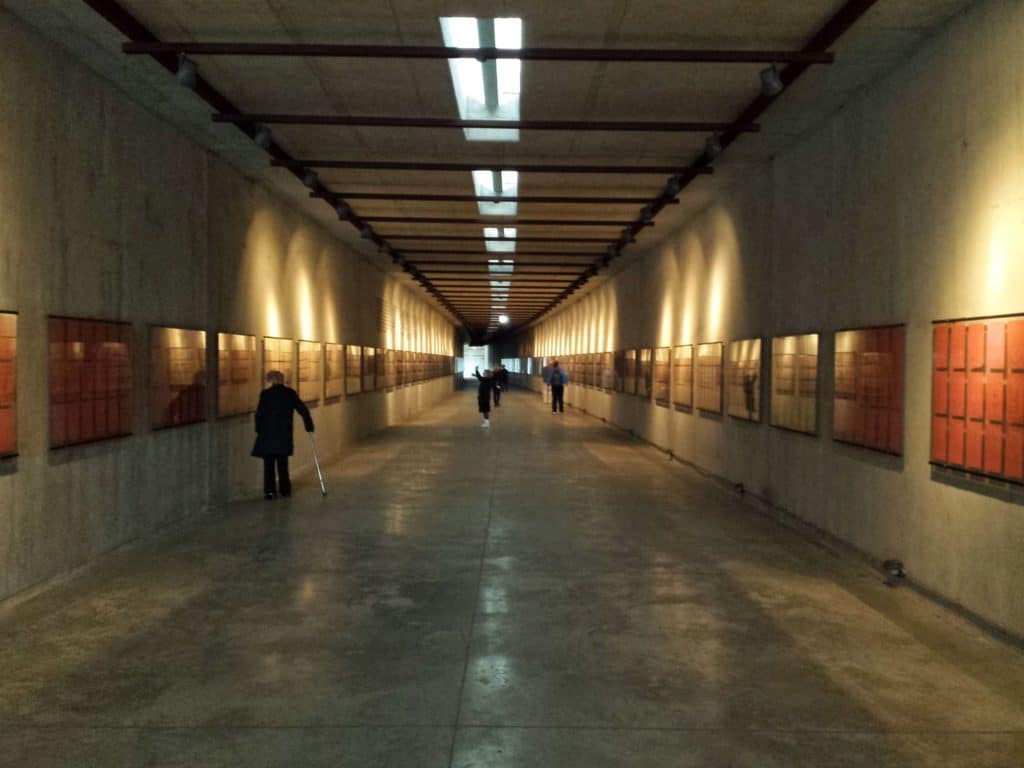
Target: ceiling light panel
[(496, 184), (500, 246), (488, 90)]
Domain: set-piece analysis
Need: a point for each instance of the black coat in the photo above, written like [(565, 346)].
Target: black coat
[(274, 421), (483, 394)]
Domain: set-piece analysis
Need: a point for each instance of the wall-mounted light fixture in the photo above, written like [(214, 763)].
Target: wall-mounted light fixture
[(264, 137), (188, 72), (771, 82)]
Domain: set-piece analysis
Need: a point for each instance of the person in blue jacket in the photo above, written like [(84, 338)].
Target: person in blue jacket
[(557, 379)]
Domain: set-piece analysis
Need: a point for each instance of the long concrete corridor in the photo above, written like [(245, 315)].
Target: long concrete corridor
[(545, 593)]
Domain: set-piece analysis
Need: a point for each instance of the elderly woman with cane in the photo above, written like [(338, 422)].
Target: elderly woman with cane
[(274, 433)]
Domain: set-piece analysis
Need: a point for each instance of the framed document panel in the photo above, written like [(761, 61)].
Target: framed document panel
[(90, 380), (662, 375), (978, 396), (795, 383), (381, 369), (311, 382), (279, 355), (644, 373), (868, 404), (177, 377), (682, 376), (353, 369), (743, 379), (619, 362), (369, 369), (390, 369), (607, 371), (629, 372), (8, 384), (709, 377), (238, 385), (403, 367), (334, 371)]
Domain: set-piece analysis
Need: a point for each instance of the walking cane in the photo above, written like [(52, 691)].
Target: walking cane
[(316, 460)]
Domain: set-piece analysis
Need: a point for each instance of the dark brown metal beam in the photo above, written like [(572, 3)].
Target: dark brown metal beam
[(374, 165), (499, 254), (440, 52), (519, 264), (527, 200), (377, 121), (480, 238), (497, 222), (473, 272)]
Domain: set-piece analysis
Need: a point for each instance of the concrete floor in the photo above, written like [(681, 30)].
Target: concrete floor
[(548, 593)]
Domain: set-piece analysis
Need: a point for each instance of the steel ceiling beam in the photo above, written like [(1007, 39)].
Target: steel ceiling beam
[(497, 222), (375, 165), (440, 52), (499, 254), (481, 237), (519, 264), (527, 200), (378, 121)]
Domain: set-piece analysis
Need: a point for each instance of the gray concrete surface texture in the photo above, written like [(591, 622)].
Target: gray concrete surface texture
[(107, 213), (548, 592), (907, 206)]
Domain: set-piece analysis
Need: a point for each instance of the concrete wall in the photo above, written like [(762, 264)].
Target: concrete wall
[(107, 213), (906, 207)]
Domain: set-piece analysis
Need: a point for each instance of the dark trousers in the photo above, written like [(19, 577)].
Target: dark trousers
[(284, 483), (557, 404), (497, 398)]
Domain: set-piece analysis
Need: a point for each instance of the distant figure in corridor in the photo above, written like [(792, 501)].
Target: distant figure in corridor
[(484, 393), (274, 433), (499, 386), (503, 378), (557, 379)]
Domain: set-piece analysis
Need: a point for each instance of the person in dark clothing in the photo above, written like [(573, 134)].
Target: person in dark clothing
[(274, 442), (497, 387), (503, 378), (557, 379), (483, 394)]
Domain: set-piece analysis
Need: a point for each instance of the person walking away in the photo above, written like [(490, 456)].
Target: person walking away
[(274, 433), (484, 393), (557, 380), (497, 387), (503, 378)]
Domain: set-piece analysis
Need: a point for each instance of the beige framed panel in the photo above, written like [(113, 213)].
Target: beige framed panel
[(238, 383), (353, 369), (390, 369), (177, 376), (743, 380), (708, 375), (795, 383), (682, 376), (279, 355), (381, 371), (311, 379), (334, 371), (661, 388), (644, 373), (629, 369), (369, 369), (607, 365)]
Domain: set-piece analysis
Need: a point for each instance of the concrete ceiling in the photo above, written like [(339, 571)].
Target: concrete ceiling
[(550, 90)]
